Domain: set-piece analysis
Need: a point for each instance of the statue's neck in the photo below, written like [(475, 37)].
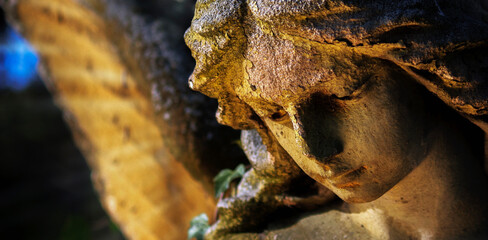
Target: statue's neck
[(445, 196)]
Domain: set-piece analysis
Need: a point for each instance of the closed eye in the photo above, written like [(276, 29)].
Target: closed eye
[(345, 98), (356, 93)]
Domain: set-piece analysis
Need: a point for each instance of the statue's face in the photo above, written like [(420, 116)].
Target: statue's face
[(358, 137)]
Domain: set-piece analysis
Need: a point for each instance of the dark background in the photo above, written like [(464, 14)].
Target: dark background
[(45, 186)]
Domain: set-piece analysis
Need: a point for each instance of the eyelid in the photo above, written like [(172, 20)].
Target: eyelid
[(355, 94)]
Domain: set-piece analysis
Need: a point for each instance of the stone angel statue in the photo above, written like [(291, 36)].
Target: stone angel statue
[(357, 119), (382, 103)]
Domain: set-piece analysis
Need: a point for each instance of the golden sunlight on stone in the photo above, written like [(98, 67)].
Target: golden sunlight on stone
[(147, 192)]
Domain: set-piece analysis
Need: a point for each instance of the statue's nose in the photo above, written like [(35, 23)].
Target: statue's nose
[(316, 133)]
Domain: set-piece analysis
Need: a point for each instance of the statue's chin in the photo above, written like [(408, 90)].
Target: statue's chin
[(360, 194)]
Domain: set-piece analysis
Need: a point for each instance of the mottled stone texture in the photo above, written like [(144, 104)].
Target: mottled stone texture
[(365, 98), (372, 101)]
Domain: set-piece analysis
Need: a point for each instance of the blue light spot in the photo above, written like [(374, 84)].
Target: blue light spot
[(18, 62)]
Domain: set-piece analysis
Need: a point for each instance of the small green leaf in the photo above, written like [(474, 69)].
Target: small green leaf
[(240, 170), (198, 227), (223, 179)]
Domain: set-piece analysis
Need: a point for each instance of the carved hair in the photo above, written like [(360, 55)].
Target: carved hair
[(442, 44)]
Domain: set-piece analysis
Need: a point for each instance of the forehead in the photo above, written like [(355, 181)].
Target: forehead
[(280, 69)]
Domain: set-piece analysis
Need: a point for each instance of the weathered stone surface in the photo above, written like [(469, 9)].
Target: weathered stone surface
[(365, 98), (119, 70)]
